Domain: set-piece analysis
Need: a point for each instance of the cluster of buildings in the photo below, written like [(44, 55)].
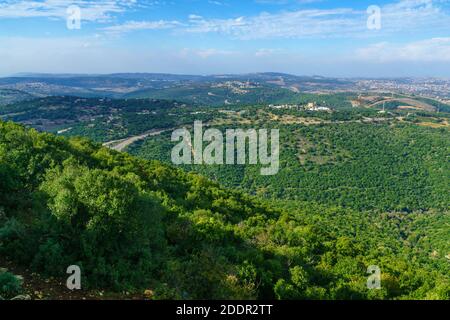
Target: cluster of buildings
[(312, 106), (238, 87), (429, 87)]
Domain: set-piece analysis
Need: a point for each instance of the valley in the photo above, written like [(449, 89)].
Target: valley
[(363, 180)]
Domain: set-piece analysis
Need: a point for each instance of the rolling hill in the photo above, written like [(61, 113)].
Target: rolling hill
[(10, 96), (136, 225)]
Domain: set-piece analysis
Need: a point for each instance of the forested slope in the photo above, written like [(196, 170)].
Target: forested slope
[(386, 166), (133, 224)]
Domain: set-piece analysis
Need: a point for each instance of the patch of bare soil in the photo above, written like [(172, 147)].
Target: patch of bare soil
[(37, 287)]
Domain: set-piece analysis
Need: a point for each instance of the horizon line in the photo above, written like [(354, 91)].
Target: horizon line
[(69, 75)]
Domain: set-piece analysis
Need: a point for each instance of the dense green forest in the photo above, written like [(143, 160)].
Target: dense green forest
[(210, 95), (383, 166), (100, 119), (136, 224), (106, 119), (9, 96)]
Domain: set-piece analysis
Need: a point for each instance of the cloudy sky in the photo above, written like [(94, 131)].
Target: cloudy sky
[(304, 37)]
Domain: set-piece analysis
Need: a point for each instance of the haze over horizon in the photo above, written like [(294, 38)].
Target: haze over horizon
[(301, 37), (106, 74)]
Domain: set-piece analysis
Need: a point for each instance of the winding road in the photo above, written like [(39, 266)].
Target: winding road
[(121, 145)]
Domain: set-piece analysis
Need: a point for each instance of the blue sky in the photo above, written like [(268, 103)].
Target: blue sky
[(304, 37)]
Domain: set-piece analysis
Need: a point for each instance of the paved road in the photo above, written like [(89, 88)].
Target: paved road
[(121, 145)]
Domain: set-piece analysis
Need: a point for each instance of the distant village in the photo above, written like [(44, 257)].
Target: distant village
[(312, 106)]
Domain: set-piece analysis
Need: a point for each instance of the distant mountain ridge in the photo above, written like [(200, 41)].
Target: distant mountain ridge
[(217, 89), (143, 85)]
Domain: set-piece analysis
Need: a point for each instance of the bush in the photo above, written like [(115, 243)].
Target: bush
[(51, 258), (10, 285), (16, 241)]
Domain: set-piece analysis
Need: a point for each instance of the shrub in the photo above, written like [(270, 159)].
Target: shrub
[(10, 285), (16, 241)]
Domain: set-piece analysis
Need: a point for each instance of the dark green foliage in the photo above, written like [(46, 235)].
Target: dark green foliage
[(99, 119), (8, 96), (134, 224), (209, 95), (10, 285), (370, 166)]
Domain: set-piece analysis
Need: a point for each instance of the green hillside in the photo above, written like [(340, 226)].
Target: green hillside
[(210, 95), (8, 96), (223, 94), (353, 160), (132, 225)]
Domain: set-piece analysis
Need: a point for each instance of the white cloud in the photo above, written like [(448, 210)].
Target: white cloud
[(412, 15), (194, 17), (264, 52), (206, 53), (40, 54), (300, 23), (430, 50), (91, 10), (404, 15), (142, 25), (400, 16), (284, 2), (99, 54)]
